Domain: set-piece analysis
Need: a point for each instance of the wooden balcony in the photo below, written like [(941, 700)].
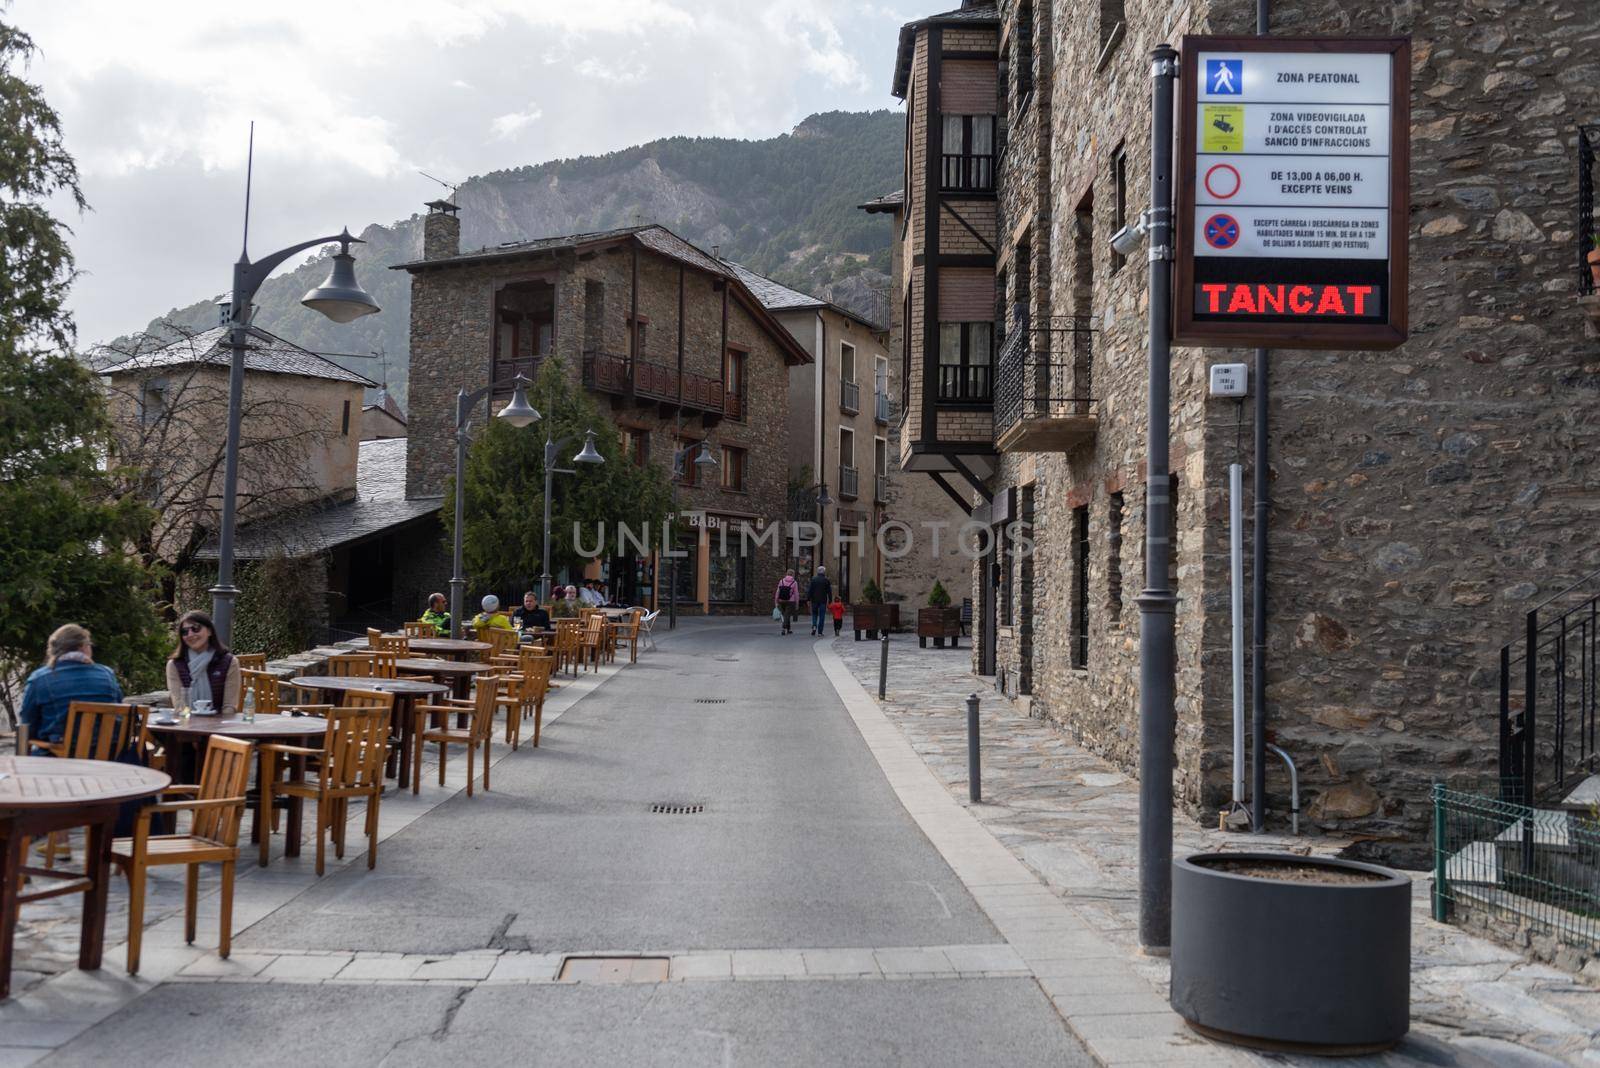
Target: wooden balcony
[(657, 383)]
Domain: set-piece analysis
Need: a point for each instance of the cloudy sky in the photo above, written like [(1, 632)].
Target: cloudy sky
[(352, 97)]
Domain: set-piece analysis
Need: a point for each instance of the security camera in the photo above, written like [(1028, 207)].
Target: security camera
[(1126, 241)]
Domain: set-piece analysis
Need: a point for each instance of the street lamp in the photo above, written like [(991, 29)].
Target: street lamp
[(588, 455), (706, 462), (341, 299), (519, 413)]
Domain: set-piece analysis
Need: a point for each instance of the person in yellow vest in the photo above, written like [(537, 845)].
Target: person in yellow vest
[(437, 615), (491, 616)]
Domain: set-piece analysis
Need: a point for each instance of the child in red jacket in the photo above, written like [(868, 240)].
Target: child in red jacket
[(836, 610)]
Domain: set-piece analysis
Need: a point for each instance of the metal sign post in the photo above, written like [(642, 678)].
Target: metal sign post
[(1293, 202)]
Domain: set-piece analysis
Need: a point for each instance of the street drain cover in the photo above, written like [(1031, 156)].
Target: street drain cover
[(710, 700), (614, 970), (670, 809)]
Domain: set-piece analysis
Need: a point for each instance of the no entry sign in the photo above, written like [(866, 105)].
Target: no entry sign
[(1293, 192)]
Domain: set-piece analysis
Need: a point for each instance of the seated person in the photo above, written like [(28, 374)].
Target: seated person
[(565, 606), (530, 616), (69, 674), (437, 615), (491, 616), (590, 596)]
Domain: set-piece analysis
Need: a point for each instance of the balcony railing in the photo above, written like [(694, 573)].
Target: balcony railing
[(506, 368), (1588, 137), (849, 482), (967, 174), (849, 397), (882, 409), (1042, 399), (733, 405), (880, 488), (973, 383), (610, 373)]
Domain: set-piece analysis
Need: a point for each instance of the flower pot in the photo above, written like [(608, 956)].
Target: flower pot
[(873, 618), (1594, 266), (939, 624), (1288, 952)]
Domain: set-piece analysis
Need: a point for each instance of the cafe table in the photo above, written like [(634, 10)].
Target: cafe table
[(457, 674), (43, 794), (449, 648), (186, 741), (406, 692)]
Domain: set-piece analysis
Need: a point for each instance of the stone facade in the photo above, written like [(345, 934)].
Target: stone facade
[(1423, 499), (589, 288)]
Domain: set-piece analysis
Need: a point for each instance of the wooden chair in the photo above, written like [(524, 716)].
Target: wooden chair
[(533, 681), (501, 642), (393, 643), (350, 665), (419, 629), (251, 661), (267, 690), (94, 730), (373, 634), (594, 641), (349, 763), (213, 837), (628, 631), (384, 663), (477, 733), (569, 642)]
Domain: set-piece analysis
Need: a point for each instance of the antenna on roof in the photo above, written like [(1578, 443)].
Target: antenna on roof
[(452, 186)]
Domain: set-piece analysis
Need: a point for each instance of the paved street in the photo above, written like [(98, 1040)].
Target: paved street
[(807, 918)]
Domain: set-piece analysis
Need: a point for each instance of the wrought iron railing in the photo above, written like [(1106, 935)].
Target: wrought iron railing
[(882, 408), (1548, 729), (880, 488), (1044, 370), (849, 481), (849, 396), (1588, 136), (967, 174)]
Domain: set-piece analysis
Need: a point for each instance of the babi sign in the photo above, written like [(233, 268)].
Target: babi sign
[(1293, 194)]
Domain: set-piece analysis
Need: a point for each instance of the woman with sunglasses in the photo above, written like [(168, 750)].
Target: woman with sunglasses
[(201, 668)]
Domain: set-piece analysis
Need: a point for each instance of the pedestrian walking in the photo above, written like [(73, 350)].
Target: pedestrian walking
[(818, 593), (836, 610), (786, 598)]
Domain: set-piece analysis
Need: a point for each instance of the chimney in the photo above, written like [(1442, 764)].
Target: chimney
[(441, 231)]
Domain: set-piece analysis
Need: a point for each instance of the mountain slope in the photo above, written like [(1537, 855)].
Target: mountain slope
[(785, 207)]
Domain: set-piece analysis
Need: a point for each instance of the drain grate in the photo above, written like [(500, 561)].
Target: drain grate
[(670, 809), (710, 700)]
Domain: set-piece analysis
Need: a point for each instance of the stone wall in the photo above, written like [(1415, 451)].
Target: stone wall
[(1423, 499)]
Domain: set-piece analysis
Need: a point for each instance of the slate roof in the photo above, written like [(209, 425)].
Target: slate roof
[(380, 505), (268, 353), (887, 204), (390, 407), (777, 297), (970, 13)]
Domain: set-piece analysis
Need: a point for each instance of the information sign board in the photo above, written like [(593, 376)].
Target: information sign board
[(1293, 192)]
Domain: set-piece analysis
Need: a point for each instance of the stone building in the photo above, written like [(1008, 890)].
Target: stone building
[(674, 345), (842, 437), (1423, 499)]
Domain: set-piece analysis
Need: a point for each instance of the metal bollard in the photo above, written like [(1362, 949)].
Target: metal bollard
[(883, 662), (974, 774)]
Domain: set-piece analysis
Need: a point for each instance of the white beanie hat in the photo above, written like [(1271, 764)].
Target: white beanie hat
[(490, 603)]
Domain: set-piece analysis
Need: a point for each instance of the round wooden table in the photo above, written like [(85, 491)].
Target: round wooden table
[(406, 692), (457, 674), (450, 648), (185, 742), (43, 794)]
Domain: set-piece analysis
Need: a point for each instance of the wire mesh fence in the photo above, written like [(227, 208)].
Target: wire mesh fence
[(1526, 875)]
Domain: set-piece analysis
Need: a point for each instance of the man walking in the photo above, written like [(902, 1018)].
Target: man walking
[(819, 593)]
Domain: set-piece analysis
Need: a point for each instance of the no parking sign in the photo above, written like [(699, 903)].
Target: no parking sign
[(1293, 192)]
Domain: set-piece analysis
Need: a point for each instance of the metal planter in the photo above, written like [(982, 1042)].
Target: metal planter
[(1312, 965)]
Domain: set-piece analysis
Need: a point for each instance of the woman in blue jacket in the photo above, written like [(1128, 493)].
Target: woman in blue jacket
[(69, 674)]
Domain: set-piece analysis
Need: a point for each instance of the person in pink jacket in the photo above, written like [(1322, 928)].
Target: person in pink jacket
[(786, 598)]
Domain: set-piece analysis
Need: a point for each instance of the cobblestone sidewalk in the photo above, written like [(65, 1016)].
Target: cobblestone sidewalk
[(1071, 818)]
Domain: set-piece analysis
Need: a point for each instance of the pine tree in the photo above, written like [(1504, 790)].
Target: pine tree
[(63, 541)]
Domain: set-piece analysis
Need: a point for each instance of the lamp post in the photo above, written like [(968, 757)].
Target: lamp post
[(706, 462), (341, 299), (588, 455), (519, 413)]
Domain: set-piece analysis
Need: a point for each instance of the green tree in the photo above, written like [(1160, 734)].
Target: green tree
[(64, 538), (503, 542)]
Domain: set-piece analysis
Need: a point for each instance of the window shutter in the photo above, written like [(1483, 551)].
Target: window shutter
[(968, 87), (966, 295)]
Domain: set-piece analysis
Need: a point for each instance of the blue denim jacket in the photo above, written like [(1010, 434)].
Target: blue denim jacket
[(51, 689)]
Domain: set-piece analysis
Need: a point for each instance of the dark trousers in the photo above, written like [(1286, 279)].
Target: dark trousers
[(787, 608), (818, 612)]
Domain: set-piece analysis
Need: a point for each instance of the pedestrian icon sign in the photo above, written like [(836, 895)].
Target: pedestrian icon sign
[(1224, 77), (1222, 231)]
